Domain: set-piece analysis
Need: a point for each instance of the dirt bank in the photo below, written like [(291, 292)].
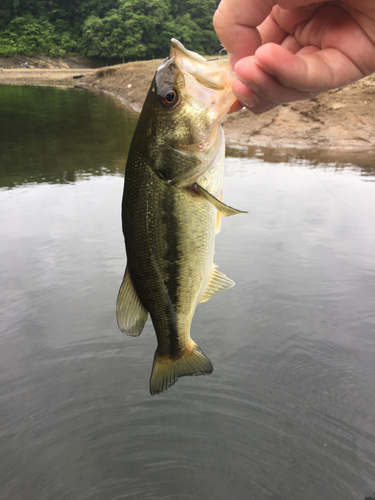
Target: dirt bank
[(60, 77), (339, 122), (128, 82), (45, 62), (43, 70)]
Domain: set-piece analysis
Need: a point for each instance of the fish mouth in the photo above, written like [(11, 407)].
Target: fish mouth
[(213, 74), (206, 84)]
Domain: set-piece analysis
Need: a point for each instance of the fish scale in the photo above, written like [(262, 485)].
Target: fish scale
[(173, 180)]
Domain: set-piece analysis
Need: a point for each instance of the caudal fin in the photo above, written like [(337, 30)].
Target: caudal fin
[(165, 373)]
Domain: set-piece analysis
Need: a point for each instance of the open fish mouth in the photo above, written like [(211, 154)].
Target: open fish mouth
[(214, 74), (206, 84)]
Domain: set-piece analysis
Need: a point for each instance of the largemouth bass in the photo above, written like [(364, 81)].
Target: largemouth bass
[(171, 209)]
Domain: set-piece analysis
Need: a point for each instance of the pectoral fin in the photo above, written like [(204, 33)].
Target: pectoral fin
[(218, 282), (219, 217), (131, 315), (225, 210)]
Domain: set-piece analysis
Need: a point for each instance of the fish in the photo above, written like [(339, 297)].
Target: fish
[(171, 210)]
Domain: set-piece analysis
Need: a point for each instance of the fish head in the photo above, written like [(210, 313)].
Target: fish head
[(192, 94), (188, 96)]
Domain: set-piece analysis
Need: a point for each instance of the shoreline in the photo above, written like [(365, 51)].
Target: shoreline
[(61, 77), (337, 126)]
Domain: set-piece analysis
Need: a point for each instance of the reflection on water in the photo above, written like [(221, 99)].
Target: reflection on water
[(288, 413), (54, 135), (363, 161)]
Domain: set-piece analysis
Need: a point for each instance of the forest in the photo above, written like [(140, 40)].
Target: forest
[(113, 30)]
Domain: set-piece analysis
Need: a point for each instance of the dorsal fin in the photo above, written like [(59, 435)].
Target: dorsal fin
[(131, 315), (218, 282)]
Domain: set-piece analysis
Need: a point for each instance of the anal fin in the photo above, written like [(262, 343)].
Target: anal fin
[(218, 282), (131, 315)]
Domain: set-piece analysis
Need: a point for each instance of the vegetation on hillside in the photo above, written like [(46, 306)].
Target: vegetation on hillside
[(106, 29)]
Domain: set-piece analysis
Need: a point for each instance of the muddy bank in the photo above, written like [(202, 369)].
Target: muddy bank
[(128, 82), (46, 62), (61, 77), (336, 126), (340, 121), (44, 70)]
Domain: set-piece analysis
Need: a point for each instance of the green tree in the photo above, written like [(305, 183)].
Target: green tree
[(29, 36), (110, 29), (105, 37)]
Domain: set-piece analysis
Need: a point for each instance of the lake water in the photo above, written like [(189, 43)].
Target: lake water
[(289, 411)]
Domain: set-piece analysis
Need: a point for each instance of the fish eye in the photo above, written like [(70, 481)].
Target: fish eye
[(170, 98)]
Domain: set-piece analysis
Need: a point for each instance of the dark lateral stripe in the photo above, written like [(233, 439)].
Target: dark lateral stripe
[(173, 268)]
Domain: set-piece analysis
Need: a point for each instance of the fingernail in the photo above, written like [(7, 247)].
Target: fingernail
[(248, 102), (232, 60), (250, 84), (253, 86), (237, 106), (265, 68)]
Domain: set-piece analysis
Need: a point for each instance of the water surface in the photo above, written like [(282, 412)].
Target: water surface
[(289, 411)]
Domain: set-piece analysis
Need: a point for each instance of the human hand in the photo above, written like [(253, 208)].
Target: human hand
[(290, 50)]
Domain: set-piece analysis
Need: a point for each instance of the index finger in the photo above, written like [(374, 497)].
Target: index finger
[(235, 23)]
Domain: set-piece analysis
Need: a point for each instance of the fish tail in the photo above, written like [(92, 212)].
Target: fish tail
[(166, 372)]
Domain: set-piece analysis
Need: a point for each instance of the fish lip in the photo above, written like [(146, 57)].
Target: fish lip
[(214, 78), (213, 74), (176, 45)]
